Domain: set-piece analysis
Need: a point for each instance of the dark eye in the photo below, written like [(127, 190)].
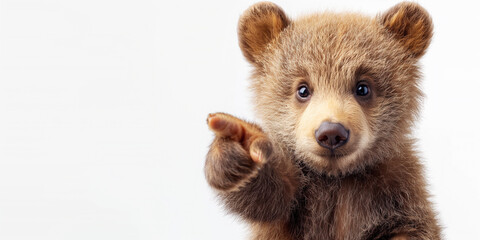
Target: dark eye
[(303, 93), (362, 89)]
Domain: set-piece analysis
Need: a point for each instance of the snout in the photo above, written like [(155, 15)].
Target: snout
[(331, 135)]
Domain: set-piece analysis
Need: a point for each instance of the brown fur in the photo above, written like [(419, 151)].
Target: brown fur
[(260, 24), (278, 178)]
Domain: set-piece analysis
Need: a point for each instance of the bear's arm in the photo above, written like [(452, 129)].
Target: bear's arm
[(252, 178)]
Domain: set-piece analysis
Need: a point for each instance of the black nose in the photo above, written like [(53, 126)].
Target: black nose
[(331, 135)]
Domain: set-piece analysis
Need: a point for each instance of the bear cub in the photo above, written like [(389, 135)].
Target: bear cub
[(333, 157)]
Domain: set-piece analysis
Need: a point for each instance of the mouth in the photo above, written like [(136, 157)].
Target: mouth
[(332, 154)]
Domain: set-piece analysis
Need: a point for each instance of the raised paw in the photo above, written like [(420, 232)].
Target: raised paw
[(231, 128), (237, 152)]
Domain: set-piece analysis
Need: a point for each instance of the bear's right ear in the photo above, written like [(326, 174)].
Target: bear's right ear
[(258, 26)]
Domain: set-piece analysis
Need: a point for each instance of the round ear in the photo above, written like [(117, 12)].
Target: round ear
[(411, 25), (259, 25)]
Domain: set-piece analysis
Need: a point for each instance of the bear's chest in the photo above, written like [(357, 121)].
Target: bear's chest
[(332, 209)]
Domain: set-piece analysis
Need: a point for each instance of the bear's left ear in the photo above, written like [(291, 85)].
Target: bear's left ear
[(411, 25), (259, 25)]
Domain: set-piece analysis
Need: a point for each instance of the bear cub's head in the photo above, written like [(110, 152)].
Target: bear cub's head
[(338, 92)]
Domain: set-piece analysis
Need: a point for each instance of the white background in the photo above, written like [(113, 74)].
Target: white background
[(103, 107)]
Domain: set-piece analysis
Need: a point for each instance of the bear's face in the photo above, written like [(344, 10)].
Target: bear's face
[(338, 91)]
